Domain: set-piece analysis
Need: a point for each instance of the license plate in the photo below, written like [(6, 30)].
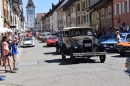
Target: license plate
[(88, 45)]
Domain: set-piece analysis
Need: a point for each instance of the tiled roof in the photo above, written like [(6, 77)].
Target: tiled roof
[(101, 2), (68, 4), (20, 2), (30, 3)]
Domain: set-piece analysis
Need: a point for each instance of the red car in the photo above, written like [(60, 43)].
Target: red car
[(51, 40)]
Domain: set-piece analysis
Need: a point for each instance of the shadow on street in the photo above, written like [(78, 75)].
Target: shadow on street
[(48, 46), (51, 53), (67, 61), (118, 56)]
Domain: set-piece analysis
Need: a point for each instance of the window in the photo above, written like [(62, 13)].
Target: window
[(125, 6), (82, 19), (85, 18), (109, 11), (78, 20), (83, 5), (78, 7), (30, 12), (1, 10), (118, 9), (102, 13), (87, 3)]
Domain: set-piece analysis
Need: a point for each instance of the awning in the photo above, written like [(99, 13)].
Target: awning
[(3, 30)]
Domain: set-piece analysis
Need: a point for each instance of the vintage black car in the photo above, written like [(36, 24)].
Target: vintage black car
[(80, 42)]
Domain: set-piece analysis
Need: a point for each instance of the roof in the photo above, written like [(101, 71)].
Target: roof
[(99, 3), (53, 9), (30, 4), (39, 16), (20, 2), (68, 4)]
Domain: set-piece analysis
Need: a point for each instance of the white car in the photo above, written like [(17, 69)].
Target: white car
[(28, 42)]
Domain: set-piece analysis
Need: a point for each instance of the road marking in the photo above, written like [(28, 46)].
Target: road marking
[(39, 48)]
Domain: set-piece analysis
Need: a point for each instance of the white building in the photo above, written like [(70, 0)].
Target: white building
[(30, 8), (55, 28), (1, 13)]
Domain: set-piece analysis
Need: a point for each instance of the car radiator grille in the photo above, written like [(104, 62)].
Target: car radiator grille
[(87, 48)]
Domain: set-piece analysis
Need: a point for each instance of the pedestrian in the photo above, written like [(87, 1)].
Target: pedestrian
[(14, 47), (1, 54), (6, 53), (118, 39)]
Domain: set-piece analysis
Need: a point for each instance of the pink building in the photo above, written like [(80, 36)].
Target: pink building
[(121, 14)]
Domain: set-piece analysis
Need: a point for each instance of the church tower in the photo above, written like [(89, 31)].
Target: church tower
[(30, 14)]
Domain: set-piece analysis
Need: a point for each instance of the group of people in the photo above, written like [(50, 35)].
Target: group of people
[(9, 50)]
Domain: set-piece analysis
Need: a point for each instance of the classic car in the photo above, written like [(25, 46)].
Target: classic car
[(124, 47), (80, 42), (110, 43), (45, 36), (26, 42), (127, 65), (51, 40), (59, 42)]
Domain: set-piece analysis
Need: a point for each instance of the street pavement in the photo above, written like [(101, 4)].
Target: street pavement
[(41, 66)]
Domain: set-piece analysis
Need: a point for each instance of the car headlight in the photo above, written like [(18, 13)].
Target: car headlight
[(80, 42)]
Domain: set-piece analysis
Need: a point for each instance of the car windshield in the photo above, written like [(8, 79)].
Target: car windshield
[(123, 36), (53, 37), (27, 39), (106, 37), (81, 32)]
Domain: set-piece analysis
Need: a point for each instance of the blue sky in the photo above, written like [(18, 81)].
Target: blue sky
[(42, 6)]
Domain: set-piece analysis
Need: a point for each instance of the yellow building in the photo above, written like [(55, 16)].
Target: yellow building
[(5, 14)]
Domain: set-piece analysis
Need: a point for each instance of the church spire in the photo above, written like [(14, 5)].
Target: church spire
[(30, 4)]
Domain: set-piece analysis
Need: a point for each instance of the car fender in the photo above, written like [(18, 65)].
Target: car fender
[(57, 45), (64, 48), (74, 48)]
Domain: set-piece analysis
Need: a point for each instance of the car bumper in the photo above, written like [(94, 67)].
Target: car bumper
[(89, 54), (113, 49), (51, 43), (28, 45), (127, 72)]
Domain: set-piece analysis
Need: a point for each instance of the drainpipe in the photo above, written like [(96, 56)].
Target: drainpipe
[(112, 14)]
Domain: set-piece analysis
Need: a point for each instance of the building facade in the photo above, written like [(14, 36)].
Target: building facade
[(121, 14), (30, 8), (1, 13)]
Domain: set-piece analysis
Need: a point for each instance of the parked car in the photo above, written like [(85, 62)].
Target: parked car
[(110, 43), (80, 42), (28, 42), (45, 36), (124, 47), (127, 65), (51, 40)]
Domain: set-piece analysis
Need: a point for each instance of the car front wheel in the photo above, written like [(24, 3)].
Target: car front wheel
[(102, 58), (63, 56), (72, 58)]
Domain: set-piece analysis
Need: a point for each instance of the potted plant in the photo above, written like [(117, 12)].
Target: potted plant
[(5, 19)]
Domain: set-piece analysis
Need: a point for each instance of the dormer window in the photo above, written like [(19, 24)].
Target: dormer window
[(29, 5)]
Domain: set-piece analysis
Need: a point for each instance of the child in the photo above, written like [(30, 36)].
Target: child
[(14, 47)]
